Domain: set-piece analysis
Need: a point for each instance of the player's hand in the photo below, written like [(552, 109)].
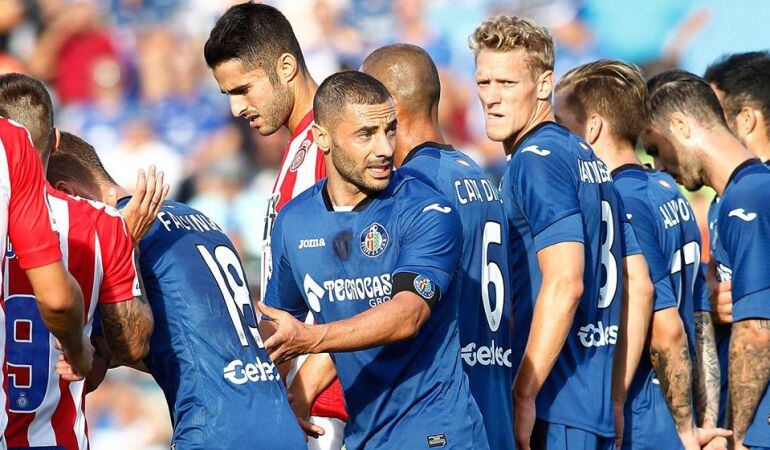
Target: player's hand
[(310, 429), (291, 338), (619, 424), (141, 210), (525, 414), (721, 299), (713, 438), (75, 366), (302, 411)]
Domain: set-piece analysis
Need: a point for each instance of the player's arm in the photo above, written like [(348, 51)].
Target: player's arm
[(706, 374), (59, 297), (749, 371), (313, 377), (634, 323), (127, 327), (399, 319)]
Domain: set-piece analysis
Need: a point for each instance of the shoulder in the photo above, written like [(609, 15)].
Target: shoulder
[(750, 190), (301, 201), (415, 198), (550, 144)]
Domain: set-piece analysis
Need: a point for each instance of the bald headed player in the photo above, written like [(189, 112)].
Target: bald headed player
[(485, 302)]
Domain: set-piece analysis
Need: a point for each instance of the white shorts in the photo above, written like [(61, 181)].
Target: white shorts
[(332, 439)]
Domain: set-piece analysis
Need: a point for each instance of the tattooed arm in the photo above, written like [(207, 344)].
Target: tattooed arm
[(749, 372), (670, 358), (127, 327), (706, 376)]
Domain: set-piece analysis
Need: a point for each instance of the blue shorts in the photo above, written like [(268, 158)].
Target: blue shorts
[(648, 422), (554, 436)]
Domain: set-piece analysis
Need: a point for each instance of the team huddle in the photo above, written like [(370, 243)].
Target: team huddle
[(408, 301)]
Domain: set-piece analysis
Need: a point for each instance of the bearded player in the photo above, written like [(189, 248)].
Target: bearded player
[(259, 65)]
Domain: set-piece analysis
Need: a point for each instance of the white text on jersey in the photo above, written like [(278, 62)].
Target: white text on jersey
[(197, 222), (238, 372), (674, 212), (593, 171), (493, 355), (468, 191)]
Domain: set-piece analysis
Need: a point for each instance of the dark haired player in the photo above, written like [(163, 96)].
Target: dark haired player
[(257, 61), (689, 138), (742, 84), (379, 268), (222, 390)]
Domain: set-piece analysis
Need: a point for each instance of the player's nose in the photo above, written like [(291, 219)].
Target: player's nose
[(237, 106)]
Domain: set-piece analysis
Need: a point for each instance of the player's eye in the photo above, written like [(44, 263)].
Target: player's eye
[(482, 82), (508, 82)]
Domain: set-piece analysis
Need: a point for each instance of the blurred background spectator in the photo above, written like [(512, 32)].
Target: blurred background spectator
[(129, 77)]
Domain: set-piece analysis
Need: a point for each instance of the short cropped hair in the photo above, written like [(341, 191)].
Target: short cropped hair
[(744, 78), (615, 89), (680, 91), (350, 87), (76, 160), (507, 33), (254, 34), (26, 101)]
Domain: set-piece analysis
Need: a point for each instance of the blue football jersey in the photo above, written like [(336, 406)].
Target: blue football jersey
[(665, 227), (556, 190), (485, 298), (722, 331), (405, 395), (222, 390), (743, 225)]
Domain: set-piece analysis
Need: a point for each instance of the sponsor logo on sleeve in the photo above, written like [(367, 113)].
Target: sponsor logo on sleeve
[(437, 207), (425, 287), (374, 240), (742, 214), (437, 440)]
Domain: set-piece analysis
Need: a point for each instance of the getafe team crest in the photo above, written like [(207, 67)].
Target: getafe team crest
[(374, 240), (424, 287)]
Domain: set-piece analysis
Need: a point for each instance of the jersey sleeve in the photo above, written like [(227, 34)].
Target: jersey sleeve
[(643, 223), (547, 194), (743, 225), (430, 245), (282, 290), (30, 228), (121, 279)]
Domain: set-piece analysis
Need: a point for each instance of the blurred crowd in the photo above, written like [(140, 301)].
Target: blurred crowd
[(129, 77)]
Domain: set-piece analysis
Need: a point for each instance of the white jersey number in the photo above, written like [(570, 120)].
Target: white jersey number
[(607, 291), (491, 273)]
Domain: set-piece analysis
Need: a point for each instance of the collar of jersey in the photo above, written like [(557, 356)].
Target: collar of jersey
[(631, 166), (427, 144), (529, 134), (330, 207), (122, 201), (741, 166)]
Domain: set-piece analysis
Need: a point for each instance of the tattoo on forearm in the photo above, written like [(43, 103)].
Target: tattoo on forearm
[(674, 369), (706, 376), (749, 371), (127, 326)]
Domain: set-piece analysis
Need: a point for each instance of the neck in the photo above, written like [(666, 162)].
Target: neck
[(722, 153), (304, 91), (104, 191), (543, 113), (615, 154), (413, 132), (762, 150), (342, 192)]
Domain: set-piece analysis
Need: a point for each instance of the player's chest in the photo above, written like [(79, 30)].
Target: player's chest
[(346, 266)]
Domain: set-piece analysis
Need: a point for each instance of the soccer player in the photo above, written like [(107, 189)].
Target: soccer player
[(379, 268), (25, 222), (44, 409), (258, 63), (571, 239), (741, 83), (205, 351), (485, 300), (689, 138), (606, 103)]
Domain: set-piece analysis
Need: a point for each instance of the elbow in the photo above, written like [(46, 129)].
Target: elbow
[(644, 288), (570, 287), (136, 347), (667, 329)]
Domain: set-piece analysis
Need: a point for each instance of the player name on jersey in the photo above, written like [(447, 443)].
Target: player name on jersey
[(674, 212), (470, 190), (194, 222)]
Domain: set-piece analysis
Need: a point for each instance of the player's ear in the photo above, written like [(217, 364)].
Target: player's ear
[(56, 140), (545, 85), (322, 138), (594, 127), (746, 121), (679, 126), (64, 186), (287, 67)]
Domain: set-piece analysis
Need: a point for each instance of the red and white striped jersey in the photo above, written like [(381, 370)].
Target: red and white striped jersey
[(43, 409), (302, 167), (24, 216)]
